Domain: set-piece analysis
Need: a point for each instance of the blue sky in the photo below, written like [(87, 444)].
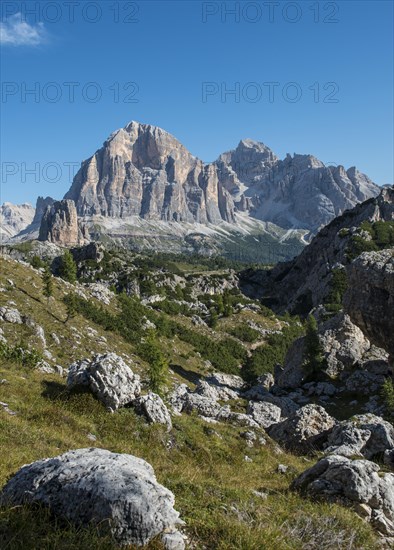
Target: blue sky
[(331, 64)]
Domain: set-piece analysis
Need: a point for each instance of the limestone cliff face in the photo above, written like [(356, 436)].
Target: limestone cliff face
[(141, 170), (369, 300), (14, 218), (59, 224)]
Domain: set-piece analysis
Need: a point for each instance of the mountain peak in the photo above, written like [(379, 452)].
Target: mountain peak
[(144, 171)]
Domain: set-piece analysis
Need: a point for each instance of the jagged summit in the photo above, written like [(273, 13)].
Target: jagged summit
[(144, 171)]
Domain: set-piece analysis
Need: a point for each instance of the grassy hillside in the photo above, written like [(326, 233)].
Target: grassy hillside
[(226, 501)]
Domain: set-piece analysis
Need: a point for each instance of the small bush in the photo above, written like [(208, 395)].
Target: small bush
[(387, 393), (265, 357), (37, 263), (245, 333), (20, 354), (158, 363), (314, 360)]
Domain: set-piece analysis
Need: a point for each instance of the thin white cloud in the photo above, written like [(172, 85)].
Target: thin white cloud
[(15, 31)]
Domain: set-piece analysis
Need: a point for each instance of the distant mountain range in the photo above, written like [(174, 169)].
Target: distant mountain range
[(143, 174)]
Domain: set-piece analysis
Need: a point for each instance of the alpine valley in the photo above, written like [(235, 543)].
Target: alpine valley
[(166, 382)]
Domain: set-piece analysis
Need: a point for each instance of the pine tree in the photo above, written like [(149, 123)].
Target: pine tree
[(158, 364), (71, 306), (213, 319), (47, 283), (313, 356), (68, 268), (227, 307)]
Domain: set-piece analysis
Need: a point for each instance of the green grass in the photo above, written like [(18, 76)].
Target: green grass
[(202, 464), (204, 468)]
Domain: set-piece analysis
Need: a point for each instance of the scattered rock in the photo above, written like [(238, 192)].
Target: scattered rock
[(100, 292), (202, 405), (355, 482), (10, 315), (364, 382), (282, 469), (217, 393), (343, 343), (364, 434), (231, 381), (305, 430), (266, 380), (154, 409), (250, 437), (178, 397), (7, 409), (108, 377), (264, 413), (117, 492)]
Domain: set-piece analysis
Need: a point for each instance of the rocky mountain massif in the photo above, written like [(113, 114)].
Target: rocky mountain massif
[(143, 188), (186, 413), (141, 170)]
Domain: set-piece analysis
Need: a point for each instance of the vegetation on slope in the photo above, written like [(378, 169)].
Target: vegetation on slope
[(226, 501)]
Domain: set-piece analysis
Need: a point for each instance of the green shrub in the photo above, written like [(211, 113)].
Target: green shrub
[(338, 284), (387, 393), (314, 360), (245, 333), (158, 363), (20, 354), (37, 263), (264, 358)]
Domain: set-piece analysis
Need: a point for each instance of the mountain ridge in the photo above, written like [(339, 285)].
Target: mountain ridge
[(144, 170)]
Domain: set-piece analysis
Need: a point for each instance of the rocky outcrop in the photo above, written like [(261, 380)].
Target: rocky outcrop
[(216, 393), (59, 224), (307, 429), (108, 377), (117, 493), (141, 170), (369, 300), (10, 315), (358, 483), (305, 282), (343, 345)]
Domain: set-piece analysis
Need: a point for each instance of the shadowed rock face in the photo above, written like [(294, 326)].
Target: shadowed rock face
[(369, 300), (141, 170), (303, 283), (59, 224)]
